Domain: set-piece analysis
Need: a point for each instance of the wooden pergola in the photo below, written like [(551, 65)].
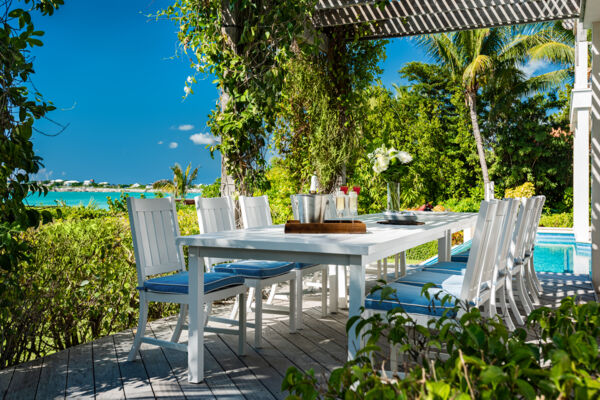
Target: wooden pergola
[(397, 18)]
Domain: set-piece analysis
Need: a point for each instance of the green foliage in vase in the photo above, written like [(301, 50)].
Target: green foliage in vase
[(464, 355)]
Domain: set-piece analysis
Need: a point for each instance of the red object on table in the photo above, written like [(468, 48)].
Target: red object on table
[(344, 189), (356, 189)]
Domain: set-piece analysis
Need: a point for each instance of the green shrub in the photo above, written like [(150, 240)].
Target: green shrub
[(525, 190), (468, 357), (562, 220), (468, 204), (421, 253)]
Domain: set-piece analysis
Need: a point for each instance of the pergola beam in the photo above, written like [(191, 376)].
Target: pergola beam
[(413, 17)]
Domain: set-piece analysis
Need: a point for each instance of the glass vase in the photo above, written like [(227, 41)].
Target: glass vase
[(393, 196)]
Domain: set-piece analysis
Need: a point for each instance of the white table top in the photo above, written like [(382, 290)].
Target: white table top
[(379, 239)]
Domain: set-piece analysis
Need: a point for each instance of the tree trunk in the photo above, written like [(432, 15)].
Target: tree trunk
[(471, 98), (227, 182)]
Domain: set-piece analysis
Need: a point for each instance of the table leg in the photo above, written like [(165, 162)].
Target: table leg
[(196, 317), (333, 288), (444, 247), (357, 300)]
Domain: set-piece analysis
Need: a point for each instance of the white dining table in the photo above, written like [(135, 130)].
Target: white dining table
[(271, 243)]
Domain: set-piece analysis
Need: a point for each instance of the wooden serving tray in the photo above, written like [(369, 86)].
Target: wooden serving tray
[(294, 226)]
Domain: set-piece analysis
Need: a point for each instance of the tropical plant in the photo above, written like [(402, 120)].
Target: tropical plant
[(183, 180), (493, 58), (467, 357)]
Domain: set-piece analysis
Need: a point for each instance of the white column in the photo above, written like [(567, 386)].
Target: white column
[(596, 154), (581, 128)]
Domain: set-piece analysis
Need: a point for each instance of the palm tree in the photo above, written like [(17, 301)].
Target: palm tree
[(183, 180), (494, 57)]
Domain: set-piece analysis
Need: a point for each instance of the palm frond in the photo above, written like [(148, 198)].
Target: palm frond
[(549, 81), (476, 70), (555, 52)]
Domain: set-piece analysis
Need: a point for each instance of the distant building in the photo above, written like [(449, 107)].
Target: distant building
[(88, 182), (57, 181), (103, 184), (135, 185), (70, 183), (148, 187)]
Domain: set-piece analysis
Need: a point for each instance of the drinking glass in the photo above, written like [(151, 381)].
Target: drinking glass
[(353, 204), (340, 203)]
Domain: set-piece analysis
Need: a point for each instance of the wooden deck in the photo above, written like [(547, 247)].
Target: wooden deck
[(99, 369)]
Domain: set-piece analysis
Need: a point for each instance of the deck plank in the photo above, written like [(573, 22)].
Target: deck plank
[(107, 377), (80, 375), (134, 378), (53, 378), (178, 363), (6, 375), (164, 383), (24, 382)]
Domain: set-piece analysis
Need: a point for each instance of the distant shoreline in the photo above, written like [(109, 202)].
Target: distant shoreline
[(112, 190)]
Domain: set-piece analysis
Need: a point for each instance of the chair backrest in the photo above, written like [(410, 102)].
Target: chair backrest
[(154, 228), (503, 251), (485, 246), (517, 245), (487, 212), (255, 211), (536, 215), (215, 214)]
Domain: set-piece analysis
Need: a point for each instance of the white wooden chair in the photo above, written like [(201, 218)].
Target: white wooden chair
[(217, 214), (256, 212), (466, 286), (531, 279), (154, 227)]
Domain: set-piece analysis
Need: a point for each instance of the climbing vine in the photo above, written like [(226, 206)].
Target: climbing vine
[(244, 44)]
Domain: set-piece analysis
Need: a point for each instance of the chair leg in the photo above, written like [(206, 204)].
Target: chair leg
[(242, 324), (234, 310), (343, 286), (385, 267), (293, 308), (272, 293), (252, 293), (207, 312), (333, 287), (378, 269), (258, 303), (296, 297), (183, 308), (503, 306), (523, 296), (534, 276), (141, 329), (396, 265), (512, 302), (403, 263), (324, 280)]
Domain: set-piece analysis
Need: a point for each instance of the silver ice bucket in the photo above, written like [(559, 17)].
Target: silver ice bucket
[(311, 207)]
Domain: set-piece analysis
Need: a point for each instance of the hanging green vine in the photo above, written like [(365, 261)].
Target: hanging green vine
[(324, 105), (244, 43)]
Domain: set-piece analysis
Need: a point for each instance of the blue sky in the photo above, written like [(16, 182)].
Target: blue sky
[(110, 72)]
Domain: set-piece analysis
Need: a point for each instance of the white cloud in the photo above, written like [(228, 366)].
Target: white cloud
[(185, 127), (43, 174), (160, 142), (173, 145), (533, 66), (204, 138)]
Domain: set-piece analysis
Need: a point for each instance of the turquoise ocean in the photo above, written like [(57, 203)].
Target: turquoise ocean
[(97, 199)]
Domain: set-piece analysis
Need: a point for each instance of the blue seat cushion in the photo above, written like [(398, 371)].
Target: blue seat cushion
[(450, 281), (461, 257), (409, 297), (303, 265), (446, 266), (257, 269), (178, 283)]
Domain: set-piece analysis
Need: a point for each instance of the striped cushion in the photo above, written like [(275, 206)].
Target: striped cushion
[(303, 265), (178, 283), (446, 266), (450, 282), (461, 257), (410, 299), (256, 268)]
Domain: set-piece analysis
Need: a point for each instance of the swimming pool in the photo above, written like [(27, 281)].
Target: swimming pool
[(558, 252), (554, 252)]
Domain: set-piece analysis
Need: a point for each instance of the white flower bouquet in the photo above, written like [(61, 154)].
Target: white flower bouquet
[(389, 163)]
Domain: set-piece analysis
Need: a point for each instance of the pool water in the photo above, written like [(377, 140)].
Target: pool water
[(558, 252), (554, 252)]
